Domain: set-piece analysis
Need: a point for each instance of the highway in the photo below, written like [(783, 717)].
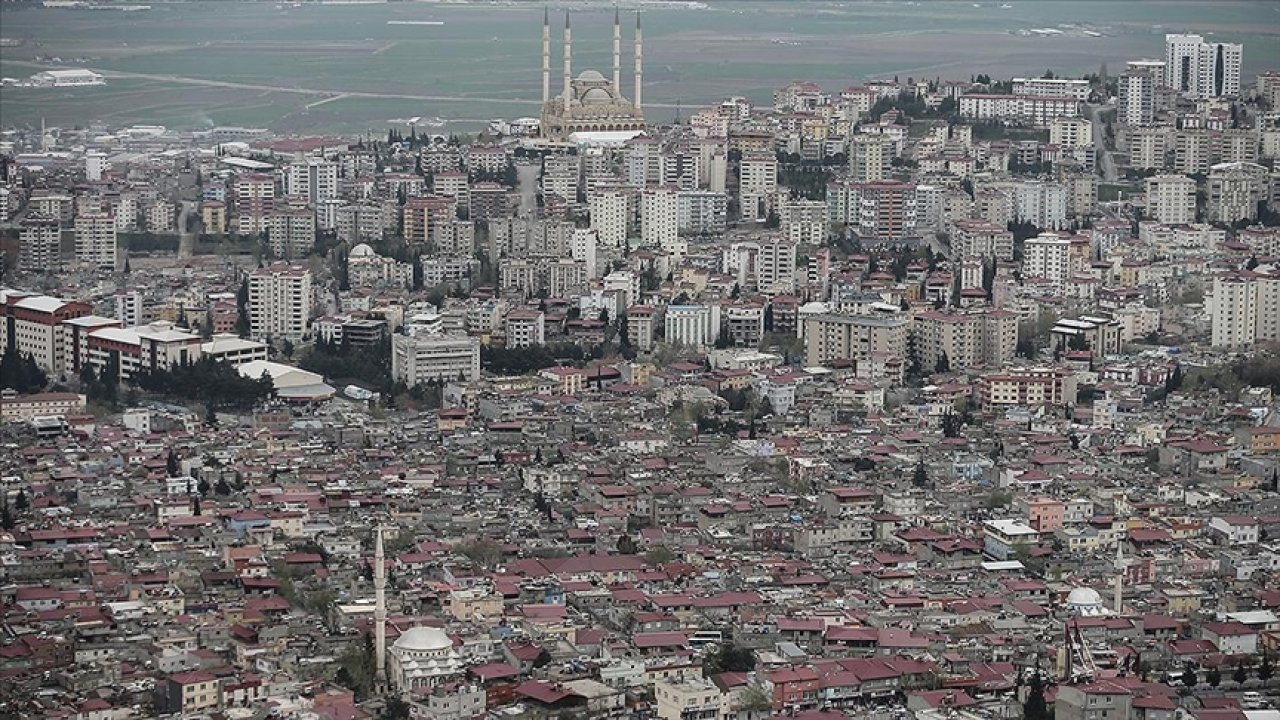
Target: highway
[(1103, 156)]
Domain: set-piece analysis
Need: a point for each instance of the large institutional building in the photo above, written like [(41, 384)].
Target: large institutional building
[(591, 103)]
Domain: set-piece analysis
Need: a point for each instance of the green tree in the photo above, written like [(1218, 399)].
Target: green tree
[(20, 504), (626, 545), (659, 555), (920, 478), (1034, 707), (1264, 667), (1240, 674), (1189, 676), (1213, 677), (728, 657), (395, 709)]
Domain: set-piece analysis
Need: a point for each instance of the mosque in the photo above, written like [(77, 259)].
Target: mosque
[(591, 107)]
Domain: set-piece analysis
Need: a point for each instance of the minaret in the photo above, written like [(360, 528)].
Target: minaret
[(1118, 601), (546, 55), (379, 611), (617, 52), (639, 60), (568, 60)]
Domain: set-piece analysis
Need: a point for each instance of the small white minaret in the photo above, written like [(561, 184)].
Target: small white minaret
[(1118, 600), (546, 55), (568, 60), (379, 611), (617, 52), (639, 60)]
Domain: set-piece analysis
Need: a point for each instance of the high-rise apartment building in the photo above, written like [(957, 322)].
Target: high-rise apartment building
[(1199, 69), (314, 180), (869, 157), (41, 238), (1047, 256), (279, 302), (96, 240), (659, 216), (1137, 97), (1171, 199)]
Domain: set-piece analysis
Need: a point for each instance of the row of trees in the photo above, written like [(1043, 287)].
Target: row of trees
[(21, 372), (208, 381), (519, 361)]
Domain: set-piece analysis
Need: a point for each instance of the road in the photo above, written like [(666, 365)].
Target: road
[(1103, 156), (527, 182)]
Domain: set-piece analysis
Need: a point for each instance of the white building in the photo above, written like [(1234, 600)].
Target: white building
[(315, 180), (610, 217), (280, 302), (77, 77), (776, 267), (1137, 97), (692, 325), (1199, 69), (869, 157), (659, 217), (427, 358), (41, 238), (1071, 132), (1052, 88), (1171, 199), (757, 182), (96, 240), (1235, 191), (804, 221), (1047, 256), (1245, 308)]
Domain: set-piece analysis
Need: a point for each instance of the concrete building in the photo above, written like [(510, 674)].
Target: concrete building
[(1171, 199), (426, 358), (966, 340), (1245, 308), (34, 325), (96, 240), (1199, 69), (610, 217), (776, 267), (692, 325), (1026, 387), (158, 346), (702, 212), (804, 222), (280, 300), (869, 157), (1071, 132), (830, 337), (314, 181), (41, 239), (659, 217), (1047, 256), (978, 238), (525, 328), (757, 183), (254, 195), (1137, 97), (1235, 191), (291, 232)]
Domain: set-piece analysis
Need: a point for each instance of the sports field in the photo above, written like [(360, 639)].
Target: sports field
[(315, 67)]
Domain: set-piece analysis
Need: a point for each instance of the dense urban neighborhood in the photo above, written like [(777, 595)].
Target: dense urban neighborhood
[(920, 399)]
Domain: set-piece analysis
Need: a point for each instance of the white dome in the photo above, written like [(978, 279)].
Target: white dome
[(591, 76), (1085, 600), (423, 639), (361, 250), (596, 96)]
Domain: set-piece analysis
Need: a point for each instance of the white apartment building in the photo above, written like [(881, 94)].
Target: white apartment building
[(1199, 69), (1171, 199), (96, 240), (1235, 191), (692, 325), (659, 217), (776, 267), (280, 302), (525, 328), (560, 175), (609, 217), (291, 233), (757, 182), (1020, 108), (41, 238), (129, 308), (702, 212), (1041, 204), (426, 358), (804, 221), (1071, 132), (978, 238), (1245, 308), (1137, 97), (314, 180), (582, 247), (1052, 88), (1047, 256), (869, 157)]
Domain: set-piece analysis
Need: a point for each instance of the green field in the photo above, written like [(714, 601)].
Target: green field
[(484, 61)]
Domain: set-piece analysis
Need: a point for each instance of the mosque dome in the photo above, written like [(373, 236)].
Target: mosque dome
[(591, 76), (1085, 601), (596, 96), (361, 250), (423, 639)]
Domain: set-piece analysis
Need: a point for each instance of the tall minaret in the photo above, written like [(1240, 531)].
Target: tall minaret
[(546, 55), (617, 52), (568, 60), (1118, 600), (379, 611), (639, 60)]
